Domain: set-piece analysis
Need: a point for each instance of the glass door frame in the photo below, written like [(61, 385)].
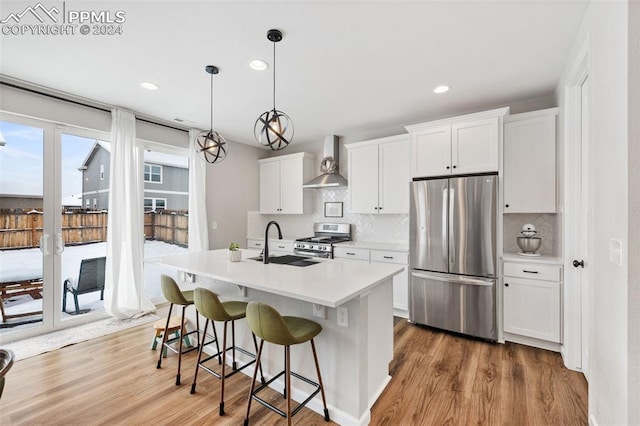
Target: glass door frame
[(52, 291)]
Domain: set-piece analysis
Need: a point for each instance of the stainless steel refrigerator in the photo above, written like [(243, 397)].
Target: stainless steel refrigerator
[(453, 254)]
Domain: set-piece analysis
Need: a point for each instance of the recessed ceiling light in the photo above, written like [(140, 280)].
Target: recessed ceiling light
[(441, 89), (258, 64), (149, 85)]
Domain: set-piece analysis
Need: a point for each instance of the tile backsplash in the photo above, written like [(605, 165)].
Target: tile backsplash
[(546, 224), (387, 228)]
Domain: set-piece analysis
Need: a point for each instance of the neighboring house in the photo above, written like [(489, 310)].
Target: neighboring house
[(166, 180), (24, 202)]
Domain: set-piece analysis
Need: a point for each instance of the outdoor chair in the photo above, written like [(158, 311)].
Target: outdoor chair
[(90, 279)]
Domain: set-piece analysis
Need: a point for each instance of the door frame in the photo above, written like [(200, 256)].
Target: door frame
[(52, 223), (576, 294)]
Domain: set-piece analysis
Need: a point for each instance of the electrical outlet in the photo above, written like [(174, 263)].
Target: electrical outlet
[(190, 277), (319, 311), (214, 225), (343, 316)]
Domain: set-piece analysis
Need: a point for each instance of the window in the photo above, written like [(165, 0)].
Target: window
[(101, 171), (87, 203), (152, 173), (155, 204), (95, 203)]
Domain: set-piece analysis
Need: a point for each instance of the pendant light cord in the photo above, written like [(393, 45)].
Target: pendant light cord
[(212, 101), (274, 75)]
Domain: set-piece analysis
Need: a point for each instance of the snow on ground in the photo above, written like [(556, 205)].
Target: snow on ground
[(29, 261)]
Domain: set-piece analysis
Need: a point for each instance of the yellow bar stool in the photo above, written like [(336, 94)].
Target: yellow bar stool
[(267, 323), (210, 307), (175, 296)]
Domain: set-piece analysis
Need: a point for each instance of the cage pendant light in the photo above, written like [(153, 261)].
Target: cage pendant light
[(211, 146), (274, 128)]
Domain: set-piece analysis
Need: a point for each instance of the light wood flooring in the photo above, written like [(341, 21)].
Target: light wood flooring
[(438, 379)]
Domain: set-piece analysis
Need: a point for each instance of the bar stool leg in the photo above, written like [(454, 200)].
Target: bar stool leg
[(195, 375), (233, 345), (253, 380), (164, 337), (324, 401), (224, 350), (255, 344), (184, 308), (287, 381)]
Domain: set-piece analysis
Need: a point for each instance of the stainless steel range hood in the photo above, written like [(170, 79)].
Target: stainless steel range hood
[(330, 178)]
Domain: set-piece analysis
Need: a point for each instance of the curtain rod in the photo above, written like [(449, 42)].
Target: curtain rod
[(61, 98)]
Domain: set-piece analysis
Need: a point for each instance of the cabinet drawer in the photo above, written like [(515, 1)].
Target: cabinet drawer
[(390, 256), (275, 245), (257, 244), (532, 271), (351, 253)]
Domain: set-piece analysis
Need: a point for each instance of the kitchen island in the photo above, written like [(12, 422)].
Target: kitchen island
[(351, 300)]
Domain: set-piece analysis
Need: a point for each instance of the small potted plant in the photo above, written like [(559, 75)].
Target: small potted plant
[(235, 254)]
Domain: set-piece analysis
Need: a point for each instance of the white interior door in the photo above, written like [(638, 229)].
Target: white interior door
[(584, 240)]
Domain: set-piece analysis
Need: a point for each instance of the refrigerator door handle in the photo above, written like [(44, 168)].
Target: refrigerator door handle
[(445, 214), (456, 279), (452, 228)]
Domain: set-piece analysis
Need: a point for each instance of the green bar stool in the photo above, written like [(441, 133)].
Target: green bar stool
[(267, 323), (210, 307), (173, 294)]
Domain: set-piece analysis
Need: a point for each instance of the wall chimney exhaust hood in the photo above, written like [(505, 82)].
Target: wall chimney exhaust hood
[(330, 178)]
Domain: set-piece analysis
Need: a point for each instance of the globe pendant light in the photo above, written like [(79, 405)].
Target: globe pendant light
[(274, 128), (211, 145)]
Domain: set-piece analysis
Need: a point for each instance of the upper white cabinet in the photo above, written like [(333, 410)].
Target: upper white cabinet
[(379, 175), (530, 162), (281, 180), (457, 145)]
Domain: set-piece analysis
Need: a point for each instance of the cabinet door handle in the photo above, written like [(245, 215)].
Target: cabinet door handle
[(529, 272), (506, 205), (280, 246), (351, 254), (448, 167), (387, 257), (506, 284), (379, 208), (375, 208), (455, 167), (257, 244)]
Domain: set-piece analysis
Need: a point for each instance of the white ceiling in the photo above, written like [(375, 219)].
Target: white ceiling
[(342, 68)]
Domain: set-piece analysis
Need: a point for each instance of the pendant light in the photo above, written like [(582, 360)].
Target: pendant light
[(274, 128), (211, 145)]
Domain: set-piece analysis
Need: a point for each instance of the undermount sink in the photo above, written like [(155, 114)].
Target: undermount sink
[(287, 259)]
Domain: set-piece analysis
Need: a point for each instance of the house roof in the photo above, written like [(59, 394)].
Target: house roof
[(153, 157)]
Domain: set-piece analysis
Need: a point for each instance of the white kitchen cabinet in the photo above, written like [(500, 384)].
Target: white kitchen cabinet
[(400, 281), (532, 294), (379, 176), (530, 162), (457, 145), (281, 180)]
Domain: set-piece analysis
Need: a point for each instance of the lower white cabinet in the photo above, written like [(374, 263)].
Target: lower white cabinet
[(400, 281), (275, 246), (532, 295)]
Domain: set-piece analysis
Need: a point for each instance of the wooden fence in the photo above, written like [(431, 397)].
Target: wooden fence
[(23, 229)]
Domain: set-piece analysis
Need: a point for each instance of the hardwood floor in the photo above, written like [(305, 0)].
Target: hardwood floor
[(437, 379)]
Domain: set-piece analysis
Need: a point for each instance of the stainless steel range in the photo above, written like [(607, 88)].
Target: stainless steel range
[(325, 235)]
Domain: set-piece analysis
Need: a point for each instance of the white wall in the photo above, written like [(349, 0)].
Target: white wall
[(605, 30), (634, 213), (232, 191)]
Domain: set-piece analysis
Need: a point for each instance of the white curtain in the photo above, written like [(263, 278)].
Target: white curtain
[(198, 231), (124, 278)]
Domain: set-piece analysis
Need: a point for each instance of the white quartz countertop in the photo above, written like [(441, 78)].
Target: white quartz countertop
[(330, 282), (374, 245), (515, 257)]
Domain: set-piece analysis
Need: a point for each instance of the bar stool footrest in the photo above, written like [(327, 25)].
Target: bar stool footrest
[(234, 370), (255, 396)]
